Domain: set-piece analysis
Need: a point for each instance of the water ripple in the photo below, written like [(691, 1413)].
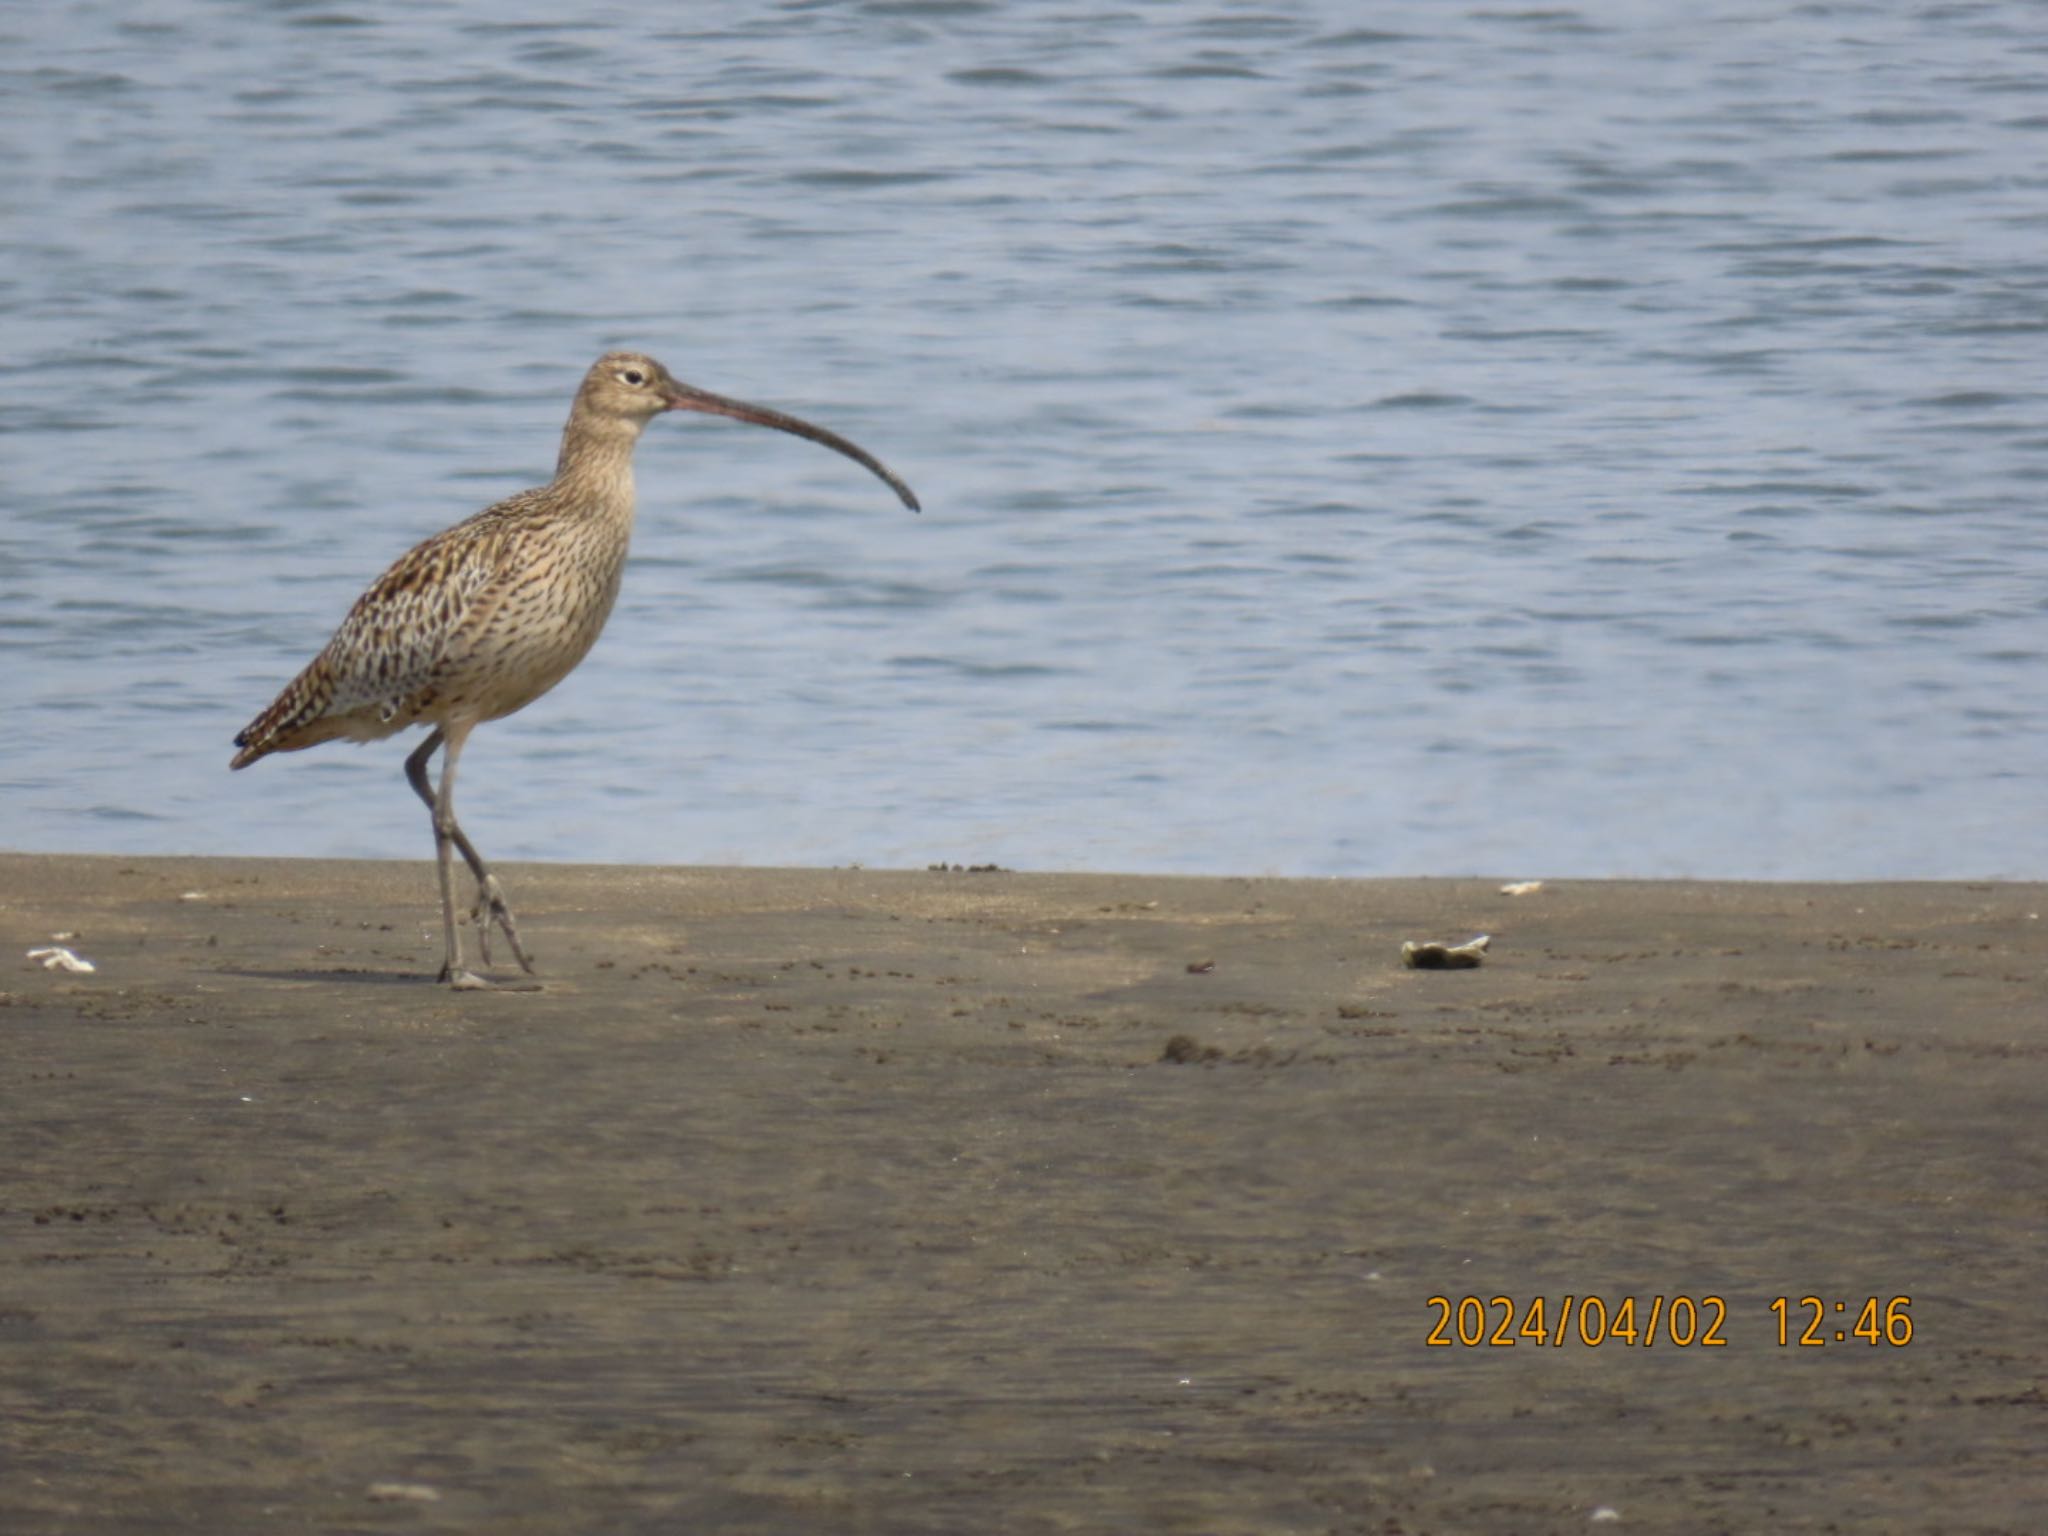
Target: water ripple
[(1561, 420)]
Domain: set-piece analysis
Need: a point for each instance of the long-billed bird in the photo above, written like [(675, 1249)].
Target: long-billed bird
[(485, 617)]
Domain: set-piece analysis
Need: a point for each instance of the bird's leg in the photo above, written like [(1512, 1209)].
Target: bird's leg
[(453, 971), (491, 906)]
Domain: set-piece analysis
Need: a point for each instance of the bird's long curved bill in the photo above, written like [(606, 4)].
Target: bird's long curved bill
[(687, 397)]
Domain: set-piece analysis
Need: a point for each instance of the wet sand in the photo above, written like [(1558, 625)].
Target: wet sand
[(958, 1202)]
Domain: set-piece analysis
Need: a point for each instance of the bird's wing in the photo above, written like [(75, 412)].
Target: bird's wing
[(381, 660), (386, 650)]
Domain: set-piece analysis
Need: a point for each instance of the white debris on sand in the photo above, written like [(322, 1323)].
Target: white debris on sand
[(56, 957), (1445, 957), (404, 1493)]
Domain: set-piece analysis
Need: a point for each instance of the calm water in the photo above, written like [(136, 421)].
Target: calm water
[(1355, 440)]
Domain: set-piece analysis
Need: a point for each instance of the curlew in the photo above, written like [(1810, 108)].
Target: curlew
[(485, 617)]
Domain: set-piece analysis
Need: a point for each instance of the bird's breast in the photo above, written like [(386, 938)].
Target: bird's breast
[(531, 630)]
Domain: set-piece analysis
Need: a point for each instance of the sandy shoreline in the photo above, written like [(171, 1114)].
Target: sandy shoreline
[(920, 1201)]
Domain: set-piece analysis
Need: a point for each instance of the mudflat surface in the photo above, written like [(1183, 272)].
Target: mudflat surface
[(951, 1202)]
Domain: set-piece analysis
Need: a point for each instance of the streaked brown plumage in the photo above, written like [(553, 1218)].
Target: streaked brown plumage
[(485, 617)]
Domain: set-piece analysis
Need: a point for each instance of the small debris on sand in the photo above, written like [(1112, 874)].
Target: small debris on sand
[(56, 957), (1445, 957), (404, 1493)]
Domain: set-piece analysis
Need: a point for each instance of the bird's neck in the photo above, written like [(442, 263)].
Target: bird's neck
[(596, 465)]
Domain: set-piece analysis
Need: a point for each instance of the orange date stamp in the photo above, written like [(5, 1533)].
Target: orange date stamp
[(1659, 1321), (1500, 1322)]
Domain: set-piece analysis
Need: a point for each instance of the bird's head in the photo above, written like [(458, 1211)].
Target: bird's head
[(627, 386), (633, 388)]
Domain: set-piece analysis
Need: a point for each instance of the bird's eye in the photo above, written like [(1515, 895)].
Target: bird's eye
[(634, 376)]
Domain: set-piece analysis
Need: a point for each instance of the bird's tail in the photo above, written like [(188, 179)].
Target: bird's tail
[(293, 720), (255, 739)]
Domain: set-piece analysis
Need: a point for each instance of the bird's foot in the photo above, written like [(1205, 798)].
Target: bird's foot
[(491, 908), (469, 981)]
